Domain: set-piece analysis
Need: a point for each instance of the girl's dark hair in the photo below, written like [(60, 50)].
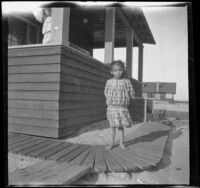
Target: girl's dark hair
[(120, 63)]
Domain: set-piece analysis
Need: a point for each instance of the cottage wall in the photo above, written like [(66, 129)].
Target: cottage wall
[(54, 91)]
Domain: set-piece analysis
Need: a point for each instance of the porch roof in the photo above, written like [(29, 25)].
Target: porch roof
[(94, 27)]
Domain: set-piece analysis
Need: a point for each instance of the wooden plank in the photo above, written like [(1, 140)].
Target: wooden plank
[(27, 145), (34, 69), (76, 96), (66, 105), (17, 139), (126, 164), (30, 177), (33, 104), (150, 159), (65, 124), (65, 151), (34, 95), (53, 105), (37, 77), (12, 136), (112, 164), (99, 165), (156, 145), (21, 142), (80, 158), (68, 176), (33, 121), (36, 60), (75, 88), (12, 176), (90, 64), (80, 81), (70, 156), (86, 60), (34, 130), (129, 51), (73, 130), (57, 174), (33, 86), (46, 154), (89, 160), (82, 74), (33, 51), (26, 151), (154, 154), (69, 62), (109, 35), (142, 164), (60, 19), (64, 114), (37, 152)]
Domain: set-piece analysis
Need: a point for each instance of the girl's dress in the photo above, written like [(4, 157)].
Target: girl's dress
[(46, 30), (118, 93)]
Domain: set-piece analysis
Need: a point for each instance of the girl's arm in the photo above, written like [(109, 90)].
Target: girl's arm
[(131, 89), (106, 89)]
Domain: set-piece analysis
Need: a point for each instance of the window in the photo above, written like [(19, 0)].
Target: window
[(21, 32), (16, 32), (168, 95)]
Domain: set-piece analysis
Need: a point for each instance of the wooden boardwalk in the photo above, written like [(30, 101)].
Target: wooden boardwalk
[(145, 146)]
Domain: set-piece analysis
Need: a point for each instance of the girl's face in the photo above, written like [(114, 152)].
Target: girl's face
[(47, 11), (117, 71)]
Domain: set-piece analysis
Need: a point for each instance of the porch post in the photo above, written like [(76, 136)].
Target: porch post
[(109, 35), (140, 63), (60, 25), (129, 52)]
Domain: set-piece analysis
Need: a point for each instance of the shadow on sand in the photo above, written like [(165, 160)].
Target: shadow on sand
[(147, 138), (166, 158)]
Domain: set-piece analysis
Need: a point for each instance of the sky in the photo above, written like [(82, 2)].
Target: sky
[(167, 61)]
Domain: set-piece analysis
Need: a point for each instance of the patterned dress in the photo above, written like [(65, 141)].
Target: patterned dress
[(118, 93), (46, 30)]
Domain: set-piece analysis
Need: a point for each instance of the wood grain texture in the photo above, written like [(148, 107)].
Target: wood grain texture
[(50, 146), (74, 154), (33, 104), (33, 130), (80, 158), (64, 152), (47, 68), (35, 147), (33, 60), (111, 162), (100, 165), (53, 91), (144, 149), (52, 151)]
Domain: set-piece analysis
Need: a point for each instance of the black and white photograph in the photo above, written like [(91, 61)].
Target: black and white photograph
[(98, 93)]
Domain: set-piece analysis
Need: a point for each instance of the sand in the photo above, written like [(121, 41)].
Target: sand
[(173, 169)]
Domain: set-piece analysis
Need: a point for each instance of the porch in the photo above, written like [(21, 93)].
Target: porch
[(56, 89)]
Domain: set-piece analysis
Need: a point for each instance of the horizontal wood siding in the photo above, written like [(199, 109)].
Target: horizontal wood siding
[(136, 109), (33, 90), (55, 91), (82, 92)]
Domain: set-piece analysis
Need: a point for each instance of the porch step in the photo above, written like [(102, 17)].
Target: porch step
[(48, 173)]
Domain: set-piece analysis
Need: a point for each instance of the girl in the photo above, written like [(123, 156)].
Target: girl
[(46, 30), (118, 91), (43, 15)]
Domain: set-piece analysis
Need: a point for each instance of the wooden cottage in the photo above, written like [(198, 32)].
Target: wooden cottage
[(57, 88), (164, 91)]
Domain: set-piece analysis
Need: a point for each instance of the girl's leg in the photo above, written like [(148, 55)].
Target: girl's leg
[(121, 137), (113, 129)]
